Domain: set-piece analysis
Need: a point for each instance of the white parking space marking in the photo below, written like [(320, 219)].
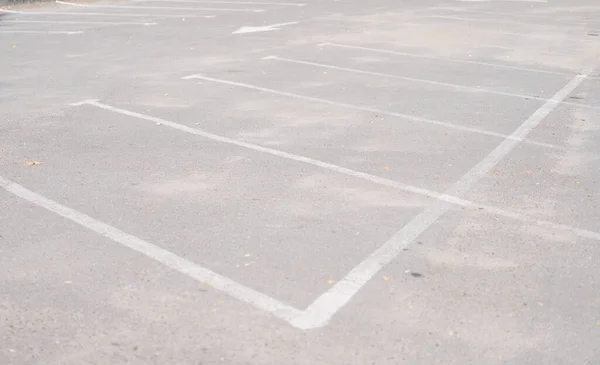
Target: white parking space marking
[(320, 312), (107, 15), (366, 109), (430, 82), (406, 54), (158, 7), (346, 171), (48, 32), (74, 22), (549, 17), (557, 22), (262, 28), (218, 2), (158, 254)]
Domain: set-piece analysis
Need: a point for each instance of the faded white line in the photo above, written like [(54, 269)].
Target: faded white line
[(328, 304), (49, 32), (557, 22), (218, 2), (75, 22), (520, 14), (167, 258), (405, 54), (345, 171), (365, 109), (431, 82), (130, 15), (157, 7)]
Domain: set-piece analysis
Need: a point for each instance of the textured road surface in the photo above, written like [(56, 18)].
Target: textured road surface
[(344, 182)]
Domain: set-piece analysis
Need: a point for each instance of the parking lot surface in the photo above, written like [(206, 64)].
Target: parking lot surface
[(317, 182)]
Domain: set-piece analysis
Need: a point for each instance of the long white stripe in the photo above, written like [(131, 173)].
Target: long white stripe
[(482, 208), (50, 32), (158, 254), (442, 84), (157, 7), (365, 109), (406, 54), (107, 15), (74, 22), (318, 313), (430, 82), (322, 309)]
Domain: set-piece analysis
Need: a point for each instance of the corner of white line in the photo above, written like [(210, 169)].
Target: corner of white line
[(189, 77), (306, 322), (269, 58), (83, 102)]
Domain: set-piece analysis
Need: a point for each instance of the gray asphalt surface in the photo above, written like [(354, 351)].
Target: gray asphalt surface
[(383, 182)]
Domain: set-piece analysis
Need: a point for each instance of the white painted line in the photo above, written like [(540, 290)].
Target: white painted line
[(366, 109), (405, 54), (218, 2), (131, 15), (262, 28), (74, 22), (512, 21), (49, 32), (158, 254), (436, 83), (328, 304), (157, 7), (319, 313), (443, 197), (553, 17)]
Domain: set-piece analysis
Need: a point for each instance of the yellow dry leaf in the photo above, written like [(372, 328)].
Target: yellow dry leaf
[(31, 163), (386, 167), (246, 255), (206, 282), (386, 278), (330, 282)]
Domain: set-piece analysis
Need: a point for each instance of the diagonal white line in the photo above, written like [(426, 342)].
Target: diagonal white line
[(158, 254), (322, 310), (349, 172), (406, 54), (319, 313), (430, 82), (369, 110)]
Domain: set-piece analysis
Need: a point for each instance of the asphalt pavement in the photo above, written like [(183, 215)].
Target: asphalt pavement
[(320, 182)]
